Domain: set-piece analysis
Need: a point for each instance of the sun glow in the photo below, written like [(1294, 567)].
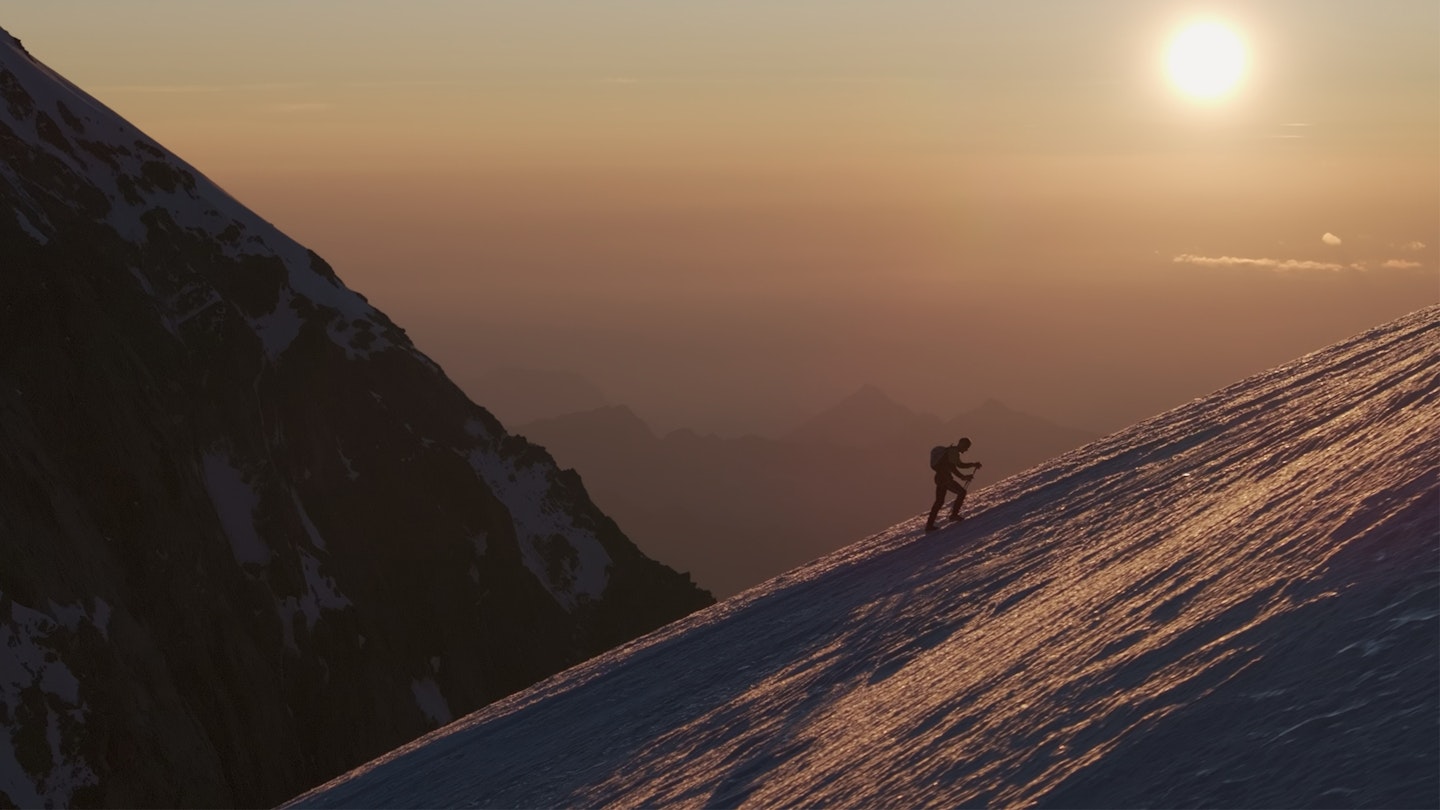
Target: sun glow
[(1206, 60)]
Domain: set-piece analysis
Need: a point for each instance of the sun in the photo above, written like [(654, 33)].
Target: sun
[(1206, 60)]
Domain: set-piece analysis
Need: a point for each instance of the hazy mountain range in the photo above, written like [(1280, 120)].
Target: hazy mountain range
[(737, 511), (1232, 604), (249, 535), (519, 395)]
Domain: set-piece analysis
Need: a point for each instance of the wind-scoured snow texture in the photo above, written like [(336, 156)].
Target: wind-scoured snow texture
[(1234, 604), (310, 545)]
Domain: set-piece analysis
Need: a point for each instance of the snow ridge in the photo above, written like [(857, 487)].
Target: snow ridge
[(1230, 604)]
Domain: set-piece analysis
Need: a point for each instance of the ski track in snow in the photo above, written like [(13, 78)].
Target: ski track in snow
[(1234, 603)]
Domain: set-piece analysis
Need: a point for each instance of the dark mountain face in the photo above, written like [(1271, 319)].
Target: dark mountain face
[(249, 535)]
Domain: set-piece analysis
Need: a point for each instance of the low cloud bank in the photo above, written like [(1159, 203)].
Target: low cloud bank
[(1266, 264), (1293, 265)]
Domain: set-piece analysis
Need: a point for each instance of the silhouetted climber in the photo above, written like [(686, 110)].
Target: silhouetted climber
[(946, 463)]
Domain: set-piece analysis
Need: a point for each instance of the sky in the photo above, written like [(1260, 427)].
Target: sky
[(731, 215)]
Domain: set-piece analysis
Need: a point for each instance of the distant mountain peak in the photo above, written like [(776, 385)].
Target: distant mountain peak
[(521, 395), (993, 405), (608, 420), (871, 393), (865, 418)]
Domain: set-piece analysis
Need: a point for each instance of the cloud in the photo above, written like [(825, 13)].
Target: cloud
[(1282, 265), (1293, 265), (1292, 131), (165, 88), (301, 107), (1330, 239), (202, 88), (402, 83), (1415, 246)]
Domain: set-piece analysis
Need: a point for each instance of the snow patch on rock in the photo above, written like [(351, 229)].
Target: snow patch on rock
[(567, 560), (235, 503), (30, 229), (38, 688), (431, 701), (321, 593), (310, 530)]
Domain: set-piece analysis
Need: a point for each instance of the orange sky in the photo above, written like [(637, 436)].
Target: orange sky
[(803, 197)]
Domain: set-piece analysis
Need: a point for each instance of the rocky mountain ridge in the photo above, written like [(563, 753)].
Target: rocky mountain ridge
[(249, 534)]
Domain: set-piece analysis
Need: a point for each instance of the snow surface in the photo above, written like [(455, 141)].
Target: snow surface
[(1236, 603)]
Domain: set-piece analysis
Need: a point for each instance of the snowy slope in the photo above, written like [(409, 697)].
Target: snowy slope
[(1236, 603)]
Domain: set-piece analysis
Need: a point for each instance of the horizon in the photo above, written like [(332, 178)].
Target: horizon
[(730, 218)]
